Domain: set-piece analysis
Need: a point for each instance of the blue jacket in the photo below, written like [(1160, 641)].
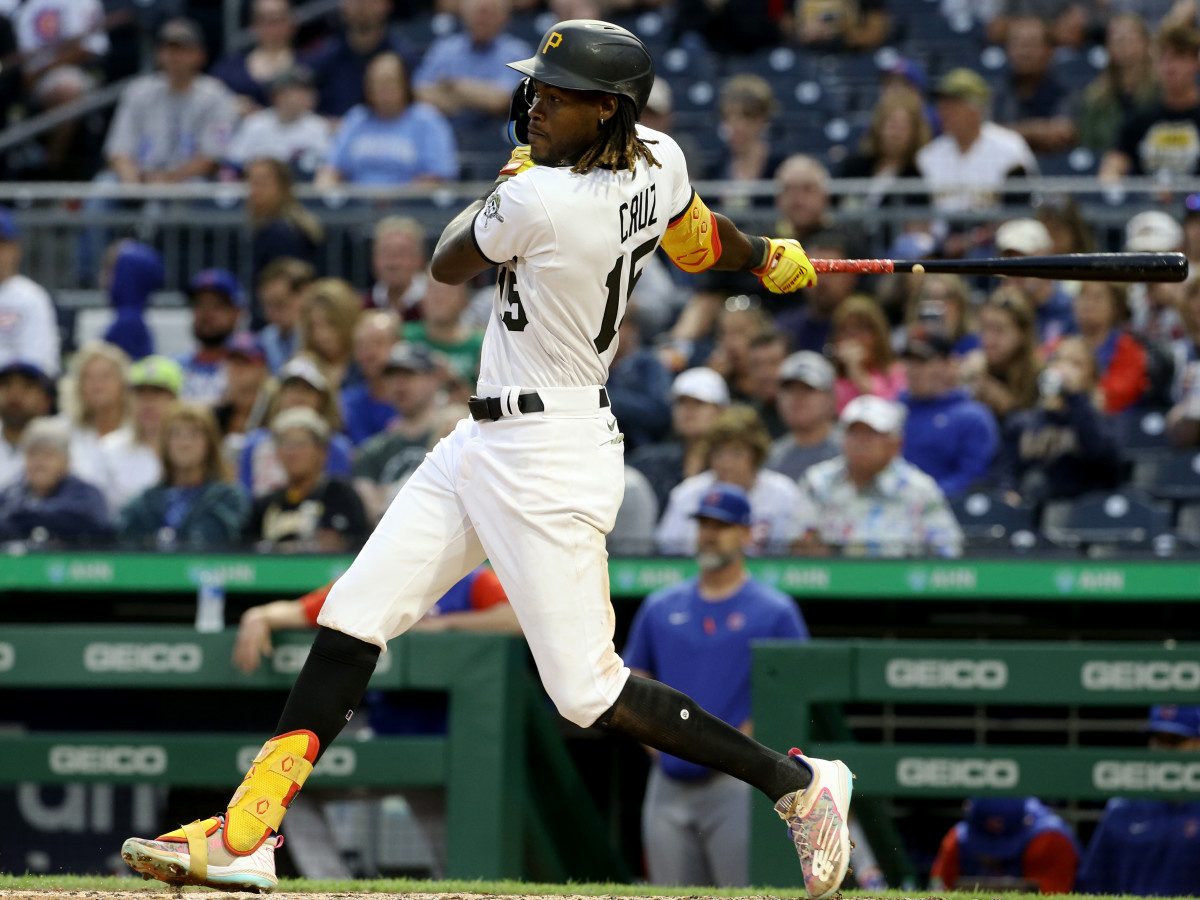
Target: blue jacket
[(74, 511), (1146, 847), (951, 438), (137, 273), (638, 385)]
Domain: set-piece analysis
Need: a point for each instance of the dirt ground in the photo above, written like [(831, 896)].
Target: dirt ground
[(152, 894)]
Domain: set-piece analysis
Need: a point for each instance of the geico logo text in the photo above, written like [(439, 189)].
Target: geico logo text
[(916, 771), (956, 674), (94, 759), (100, 657), (336, 761), (1114, 775), (1133, 675)]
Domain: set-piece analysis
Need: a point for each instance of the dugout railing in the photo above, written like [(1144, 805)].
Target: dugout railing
[(508, 778), (802, 691)]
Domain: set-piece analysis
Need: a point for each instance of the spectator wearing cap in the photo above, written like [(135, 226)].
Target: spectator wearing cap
[(638, 387), (908, 77), (281, 288), (390, 139), (327, 322), (174, 125), (947, 435), (870, 501), (1164, 140), (366, 406), (129, 456), (251, 74), (443, 329), (249, 391), (1128, 84), (806, 405), (26, 393), (466, 76), (135, 274), (1049, 299), (413, 381), (1014, 838), (1150, 847), (972, 149), (696, 637), (216, 301), (398, 262), (28, 326), (1032, 102), (311, 512), (97, 403), (1063, 446), (340, 61), (301, 383), (48, 503), (734, 452), (287, 130), (1154, 308), (280, 225), (193, 506), (697, 397), (1102, 316)]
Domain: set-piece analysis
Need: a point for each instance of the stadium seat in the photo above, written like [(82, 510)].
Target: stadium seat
[(1141, 434), (1120, 518), (1169, 476), (986, 520)]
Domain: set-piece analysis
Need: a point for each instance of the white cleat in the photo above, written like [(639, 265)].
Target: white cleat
[(197, 854), (817, 821)]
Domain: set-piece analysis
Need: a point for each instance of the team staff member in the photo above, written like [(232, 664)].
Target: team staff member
[(695, 636), (1149, 847), (533, 480)]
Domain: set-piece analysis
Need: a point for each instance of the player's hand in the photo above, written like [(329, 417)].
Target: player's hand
[(253, 641), (517, 163), (787, 267)]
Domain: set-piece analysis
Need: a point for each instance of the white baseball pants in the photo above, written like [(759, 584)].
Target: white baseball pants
[(535, 494)]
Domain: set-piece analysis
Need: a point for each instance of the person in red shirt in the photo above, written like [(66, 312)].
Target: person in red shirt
[(1100, 314), (1007, 838)]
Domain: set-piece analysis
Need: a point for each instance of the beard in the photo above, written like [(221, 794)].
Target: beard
[(710, 562)]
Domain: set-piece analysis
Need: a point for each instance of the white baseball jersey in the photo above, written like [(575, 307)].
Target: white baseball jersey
[(28, 326), (570, 248)]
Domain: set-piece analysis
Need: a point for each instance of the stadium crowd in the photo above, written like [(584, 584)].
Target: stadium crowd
[(878, 415)]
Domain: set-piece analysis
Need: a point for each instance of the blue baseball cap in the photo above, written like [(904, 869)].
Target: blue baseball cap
[(30, 370), (1171, 719), (246, 344), (220, 280), (8, 225), (909, 68), (726, 503)]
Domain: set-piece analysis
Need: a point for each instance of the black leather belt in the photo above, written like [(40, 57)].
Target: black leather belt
[(489, 409)]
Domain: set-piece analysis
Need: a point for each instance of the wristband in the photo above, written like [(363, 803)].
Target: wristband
[(759, 248)]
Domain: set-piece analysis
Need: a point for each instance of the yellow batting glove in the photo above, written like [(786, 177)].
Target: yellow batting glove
[(517, 163), (787, 267)]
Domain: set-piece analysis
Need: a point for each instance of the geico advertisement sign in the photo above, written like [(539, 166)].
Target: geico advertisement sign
[(97, 759), (8, 656), (288, 659), (954, 674), (156, 658), (1136, 675), (1167, 775), (920, 772), (336, 761)]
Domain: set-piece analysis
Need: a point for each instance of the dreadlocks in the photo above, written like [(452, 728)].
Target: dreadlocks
[(618, 146)]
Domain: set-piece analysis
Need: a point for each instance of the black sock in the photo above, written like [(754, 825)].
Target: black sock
[(653, 714), (329, 687)]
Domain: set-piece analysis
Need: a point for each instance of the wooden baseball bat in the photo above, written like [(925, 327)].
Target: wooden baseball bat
[(1126, 267)]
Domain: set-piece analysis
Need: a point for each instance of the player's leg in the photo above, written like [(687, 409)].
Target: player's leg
[(673, 849), (423, 545), (723, 813)]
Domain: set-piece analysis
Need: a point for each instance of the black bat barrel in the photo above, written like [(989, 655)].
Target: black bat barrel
[(1126, 267)]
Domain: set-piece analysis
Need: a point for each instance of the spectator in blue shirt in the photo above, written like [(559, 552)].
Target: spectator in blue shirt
[(947, 435), (390, 139), (365, 407), (1149, 847), (466, 76), (340, 63), (48, 503)]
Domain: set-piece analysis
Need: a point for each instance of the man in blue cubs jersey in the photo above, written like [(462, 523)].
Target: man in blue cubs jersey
[(696, 637), (1150, 847)]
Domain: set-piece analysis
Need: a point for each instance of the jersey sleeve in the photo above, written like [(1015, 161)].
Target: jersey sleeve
[(946, 865), (1051, 859), (311, 603), (514, 222), (486, 591)]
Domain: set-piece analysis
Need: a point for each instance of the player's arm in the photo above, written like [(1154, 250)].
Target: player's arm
[(254, 630), (699, 239)]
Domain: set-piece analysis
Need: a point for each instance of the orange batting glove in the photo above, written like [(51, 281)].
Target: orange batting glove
[(517, 163), (787, 267)]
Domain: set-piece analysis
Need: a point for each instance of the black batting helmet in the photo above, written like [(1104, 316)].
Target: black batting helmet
[(589, 55)]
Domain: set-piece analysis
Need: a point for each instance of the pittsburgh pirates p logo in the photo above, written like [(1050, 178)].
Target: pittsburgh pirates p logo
[(553, 41)]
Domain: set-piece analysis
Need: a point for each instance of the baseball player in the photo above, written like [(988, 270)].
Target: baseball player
[(533, 479)]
